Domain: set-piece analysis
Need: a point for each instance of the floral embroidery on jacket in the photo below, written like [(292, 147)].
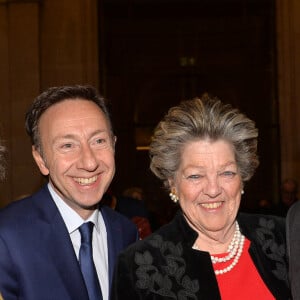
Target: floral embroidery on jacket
[(162, 281), (274, 251)]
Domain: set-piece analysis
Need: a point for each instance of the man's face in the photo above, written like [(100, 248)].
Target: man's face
[(77, 153)]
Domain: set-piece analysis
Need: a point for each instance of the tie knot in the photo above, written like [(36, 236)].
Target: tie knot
[(86, 231)]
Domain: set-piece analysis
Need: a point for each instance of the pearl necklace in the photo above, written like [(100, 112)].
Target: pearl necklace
[(235, 250)]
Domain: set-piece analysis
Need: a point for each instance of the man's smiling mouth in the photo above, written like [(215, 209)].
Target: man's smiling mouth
[(86, 181)]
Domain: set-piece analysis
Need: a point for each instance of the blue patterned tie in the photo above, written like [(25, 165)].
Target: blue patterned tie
[(86, 262)]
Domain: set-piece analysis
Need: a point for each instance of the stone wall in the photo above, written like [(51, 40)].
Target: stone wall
[(42, 44), (55, 42), (288, 45)]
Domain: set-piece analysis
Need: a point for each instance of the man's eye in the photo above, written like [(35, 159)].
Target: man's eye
[(67, 146), (100, 141)]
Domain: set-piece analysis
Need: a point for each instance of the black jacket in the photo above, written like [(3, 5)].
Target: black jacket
[(293, 242), (164, 265)]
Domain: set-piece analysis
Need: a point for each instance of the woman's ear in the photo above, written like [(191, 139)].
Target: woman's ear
[(40, 161), (171, 183)]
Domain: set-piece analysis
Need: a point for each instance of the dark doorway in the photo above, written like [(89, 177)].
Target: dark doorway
[(155, 53)]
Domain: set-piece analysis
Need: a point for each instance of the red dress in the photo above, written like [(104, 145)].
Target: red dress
[(243, 281)]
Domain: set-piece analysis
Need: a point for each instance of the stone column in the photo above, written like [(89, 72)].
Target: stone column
[(19, 83), (288, 43), (69, 42), (42, 43)]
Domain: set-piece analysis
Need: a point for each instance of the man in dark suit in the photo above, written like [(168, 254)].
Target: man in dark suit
[(293, 244), (40, 241)]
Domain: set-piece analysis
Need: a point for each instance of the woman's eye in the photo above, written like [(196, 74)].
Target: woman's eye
[(228, 174), (194, 176)]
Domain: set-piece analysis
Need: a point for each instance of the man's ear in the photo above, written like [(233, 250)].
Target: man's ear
[(114, 141), (40, 161)]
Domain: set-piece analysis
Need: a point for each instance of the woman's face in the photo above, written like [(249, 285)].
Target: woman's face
[(208, 185)]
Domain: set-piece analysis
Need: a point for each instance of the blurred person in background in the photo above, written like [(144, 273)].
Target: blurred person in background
[(132, 206), (288, 196)]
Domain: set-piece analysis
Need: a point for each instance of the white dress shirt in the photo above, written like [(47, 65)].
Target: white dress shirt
[(100, 252)]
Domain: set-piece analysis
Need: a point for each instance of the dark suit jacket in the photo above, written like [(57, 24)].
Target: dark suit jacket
[(293, 243), (37, 259), (164, 265)]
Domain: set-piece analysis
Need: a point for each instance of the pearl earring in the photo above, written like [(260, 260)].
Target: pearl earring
[(242, 192), (174, 197)]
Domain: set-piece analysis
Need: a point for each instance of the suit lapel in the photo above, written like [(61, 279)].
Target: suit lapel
[(113, 240), (57, 244)]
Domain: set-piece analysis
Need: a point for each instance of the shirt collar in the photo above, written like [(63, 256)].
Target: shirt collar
[(69, 215)]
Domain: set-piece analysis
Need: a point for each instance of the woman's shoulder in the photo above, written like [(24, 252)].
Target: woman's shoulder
[(168, 235), (252, 218), (253, 225)]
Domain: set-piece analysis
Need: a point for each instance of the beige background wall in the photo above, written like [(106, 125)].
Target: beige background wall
[(54, 42), (288, 44), (42, 44)]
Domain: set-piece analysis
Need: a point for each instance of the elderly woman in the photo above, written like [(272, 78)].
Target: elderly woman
[(204, 151)]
